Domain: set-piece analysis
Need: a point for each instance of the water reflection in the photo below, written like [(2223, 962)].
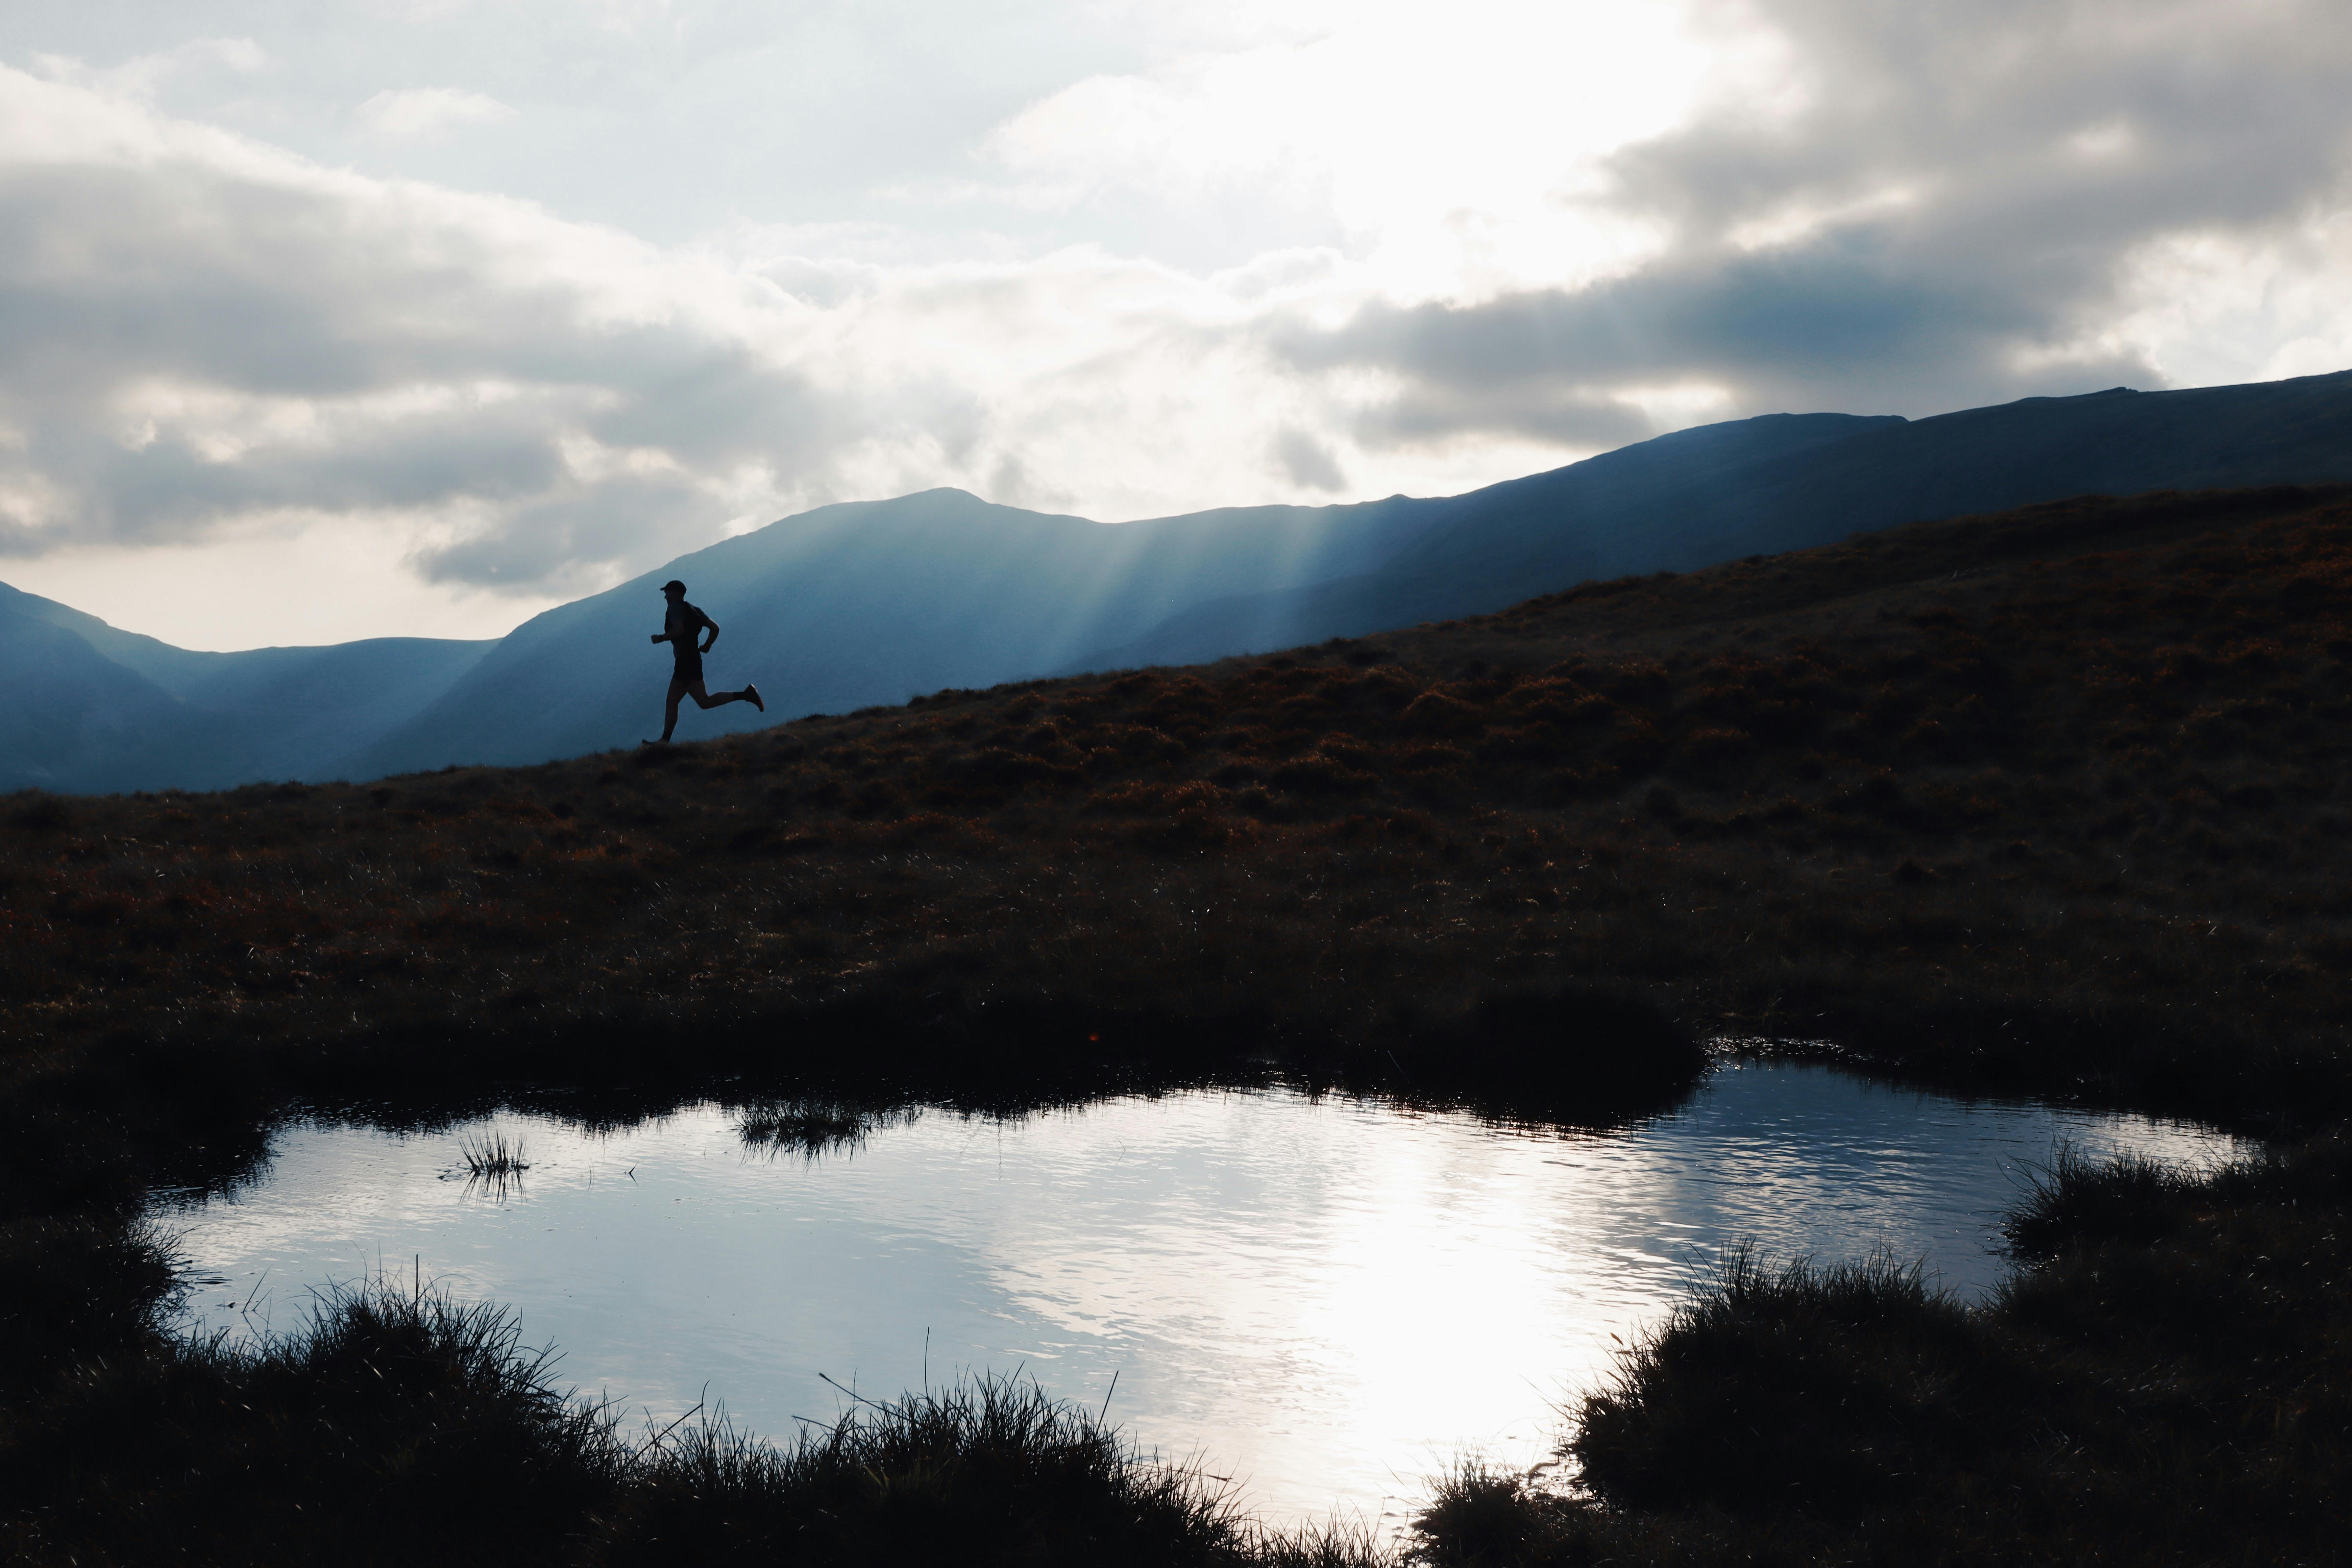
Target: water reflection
[(1326, 1300), (813, 1128)]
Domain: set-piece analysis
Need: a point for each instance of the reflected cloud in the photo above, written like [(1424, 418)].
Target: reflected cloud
[(1327, 1297)]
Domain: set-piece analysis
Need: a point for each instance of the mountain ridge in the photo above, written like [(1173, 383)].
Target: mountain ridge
[(867, 602), (2115, 442)]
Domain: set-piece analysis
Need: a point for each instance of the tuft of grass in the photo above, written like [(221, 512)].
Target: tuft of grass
[(79, 1289), (488, 1156), (813, 1127), (494, 1166), (394, 1401), (2166, 1379), (2123, 1197), (389, 1403), (1807, 1385), (990, 1471), (1480, 1517)]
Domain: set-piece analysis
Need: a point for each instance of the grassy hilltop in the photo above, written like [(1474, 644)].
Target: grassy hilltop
[(2051, 801)]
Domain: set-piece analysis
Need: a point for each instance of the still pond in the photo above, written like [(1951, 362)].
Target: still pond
[(1325, 1300)]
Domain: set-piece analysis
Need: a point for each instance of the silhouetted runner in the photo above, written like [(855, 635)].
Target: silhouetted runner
[(682, 628)]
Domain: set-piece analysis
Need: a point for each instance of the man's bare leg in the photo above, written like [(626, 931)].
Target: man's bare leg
[(703, 698), (677, 688)]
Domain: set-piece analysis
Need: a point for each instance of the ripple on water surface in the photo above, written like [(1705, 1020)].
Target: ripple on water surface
[(1325, 1300)]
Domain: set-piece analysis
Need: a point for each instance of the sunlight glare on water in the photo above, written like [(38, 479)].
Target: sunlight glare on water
[(1326, 1300)]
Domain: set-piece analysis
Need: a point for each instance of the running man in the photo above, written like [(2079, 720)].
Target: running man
[(682, 628)]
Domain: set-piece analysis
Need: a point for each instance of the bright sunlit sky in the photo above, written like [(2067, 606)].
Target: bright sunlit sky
[(418, 316)]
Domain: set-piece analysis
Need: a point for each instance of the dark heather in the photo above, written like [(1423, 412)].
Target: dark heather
[(683, 625)]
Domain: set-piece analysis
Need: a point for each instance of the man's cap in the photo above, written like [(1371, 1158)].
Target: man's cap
[(674, 582)]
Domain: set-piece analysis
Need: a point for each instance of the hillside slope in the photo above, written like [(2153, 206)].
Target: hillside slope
[(1691, 500), (871, 601), (2051, 801)]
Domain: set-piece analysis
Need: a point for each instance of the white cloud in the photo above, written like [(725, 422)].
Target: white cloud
[(206, 339), (1937, 204), (1299, 249), (142, 76), (1445, 146), (422, 111)]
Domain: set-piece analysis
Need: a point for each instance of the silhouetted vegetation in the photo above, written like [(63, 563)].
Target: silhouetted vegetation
[(2168, 1379), (811, 1127), (2049, 802), (390, 1406), (489, 1154), (396, 1420), (988, 1471)]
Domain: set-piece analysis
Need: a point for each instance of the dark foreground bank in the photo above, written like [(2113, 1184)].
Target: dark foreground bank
[(398, 1423), (2166, 1379)]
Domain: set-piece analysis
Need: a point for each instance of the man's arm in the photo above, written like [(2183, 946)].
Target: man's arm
[(712, 626)]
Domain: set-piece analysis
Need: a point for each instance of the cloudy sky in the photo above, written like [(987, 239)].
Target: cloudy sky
[(418, 316)]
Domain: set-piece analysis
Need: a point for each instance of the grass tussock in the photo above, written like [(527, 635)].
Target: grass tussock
[(813, 1127), (992, 1470), (1852, 1428), (390, 1403), (395, 1403), (2168, 1379), (1481, 1517), (489, 1156)]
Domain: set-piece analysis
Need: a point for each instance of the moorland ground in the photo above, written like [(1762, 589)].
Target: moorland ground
[(2048, 802)]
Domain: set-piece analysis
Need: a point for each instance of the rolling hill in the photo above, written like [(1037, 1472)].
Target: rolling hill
[(868, 603)]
